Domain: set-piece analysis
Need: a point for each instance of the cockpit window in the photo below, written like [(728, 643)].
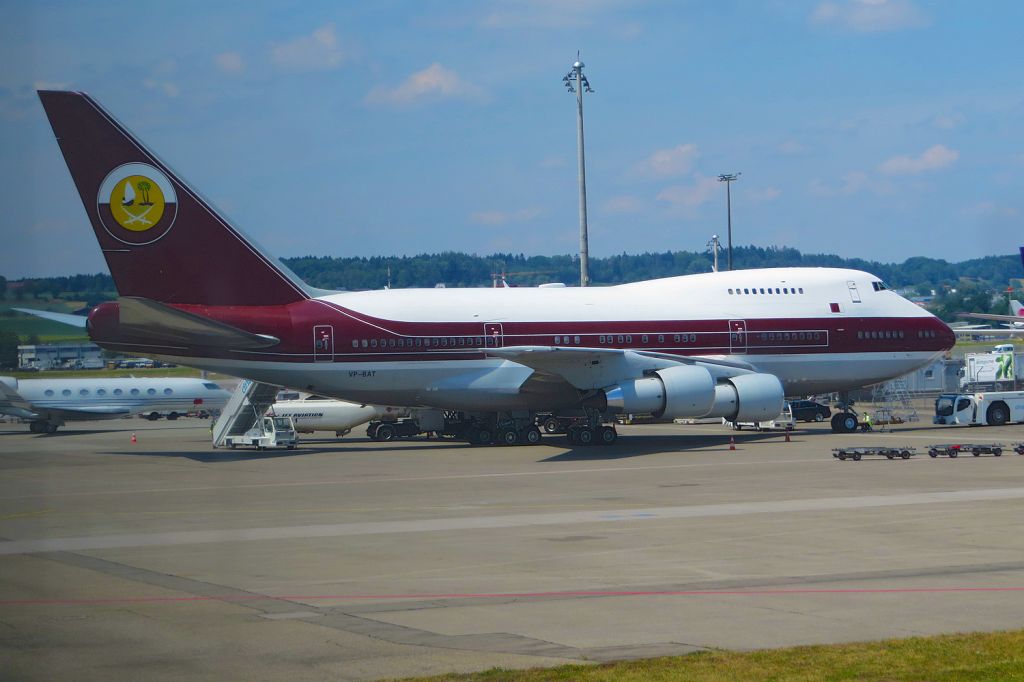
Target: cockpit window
[(879, 286)]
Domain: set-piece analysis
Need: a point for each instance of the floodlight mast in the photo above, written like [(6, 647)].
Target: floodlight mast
[(581, 84), (728, 179)]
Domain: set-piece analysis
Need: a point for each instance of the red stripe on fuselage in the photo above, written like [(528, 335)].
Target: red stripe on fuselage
[(293, 324)]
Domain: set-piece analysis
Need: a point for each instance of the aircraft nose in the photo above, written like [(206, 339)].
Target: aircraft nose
[(945, 337)]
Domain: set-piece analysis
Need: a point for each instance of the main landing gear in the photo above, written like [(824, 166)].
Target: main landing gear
[(845, 421), (42, 426), (591, 431)]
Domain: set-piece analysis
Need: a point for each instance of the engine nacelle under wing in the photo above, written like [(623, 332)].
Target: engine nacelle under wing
[(691, 391), (748, 398), (682, 391)]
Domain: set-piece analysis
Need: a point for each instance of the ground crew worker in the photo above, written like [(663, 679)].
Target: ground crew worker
[(867, 421)]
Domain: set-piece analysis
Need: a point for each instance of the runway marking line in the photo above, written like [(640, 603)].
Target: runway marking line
[(513, 595)]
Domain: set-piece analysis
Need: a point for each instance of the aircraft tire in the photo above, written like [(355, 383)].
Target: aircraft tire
[(172, 416), (385, 433), (35, 427), (482, 435), (508, 437), (848, 422), (50, 427), (585, 436), (531, 436), (608, 435), (997, 452)]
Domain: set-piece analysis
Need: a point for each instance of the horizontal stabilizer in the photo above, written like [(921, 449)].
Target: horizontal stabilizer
[(161, 324), (64, 318)]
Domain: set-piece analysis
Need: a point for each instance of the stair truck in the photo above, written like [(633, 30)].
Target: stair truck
[(268, 432)]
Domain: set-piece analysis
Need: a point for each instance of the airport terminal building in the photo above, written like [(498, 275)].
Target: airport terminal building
[(60, 356)]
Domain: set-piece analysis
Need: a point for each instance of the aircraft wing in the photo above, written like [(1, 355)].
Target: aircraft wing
[(592, 368), (994, 318), (965, 331), (11, 403), (63, 318)]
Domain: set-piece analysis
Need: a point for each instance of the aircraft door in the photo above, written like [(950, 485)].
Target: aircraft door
[(323, 343), (854, 294), (492, 334), (738, 336)]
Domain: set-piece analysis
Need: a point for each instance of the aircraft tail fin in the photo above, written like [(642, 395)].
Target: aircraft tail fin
[(161, 240), (1016, 308)]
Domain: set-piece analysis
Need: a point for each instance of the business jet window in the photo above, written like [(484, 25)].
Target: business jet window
[(135, 391), (84, 391), (730, 291), (151, 391), (101, 391), (48, 392), (118, 391), (168, 391), (65, 392), (801, 290)]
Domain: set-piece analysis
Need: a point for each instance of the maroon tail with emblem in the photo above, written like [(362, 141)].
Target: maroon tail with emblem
[(161, 240)]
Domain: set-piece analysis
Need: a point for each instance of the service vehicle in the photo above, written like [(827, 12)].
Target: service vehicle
[(998, 370), (979, 409), (268, 432), (904, 452), (809, 411), (456, 425), (784, 420), (976, 449)]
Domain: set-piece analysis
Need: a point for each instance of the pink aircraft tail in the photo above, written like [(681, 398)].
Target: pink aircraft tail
[(161, 240)]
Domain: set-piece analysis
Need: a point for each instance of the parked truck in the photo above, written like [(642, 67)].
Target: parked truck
[(993, 408), (999, 370), (267, 432)]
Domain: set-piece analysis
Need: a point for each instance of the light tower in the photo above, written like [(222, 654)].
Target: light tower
[(728, 179), (581, 84)]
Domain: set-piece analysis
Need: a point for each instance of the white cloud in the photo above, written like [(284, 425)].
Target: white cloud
[(949, 121), (666, 162), (869, 15), (545, 14), (792, 147), (434, 81), (318, 51), (762, 195), (851, 183), (933, 158), (168, 88), (229, 62), (690, 196), (623, 204), (503, 217)]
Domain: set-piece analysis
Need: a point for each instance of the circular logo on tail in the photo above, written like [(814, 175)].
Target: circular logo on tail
[(137, 203)]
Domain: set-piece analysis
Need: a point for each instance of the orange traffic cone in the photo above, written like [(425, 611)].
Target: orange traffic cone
[(134, 439), (732, 443)]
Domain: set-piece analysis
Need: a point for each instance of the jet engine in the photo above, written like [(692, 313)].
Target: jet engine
[(683, 391), (748, 398), (691, 391)]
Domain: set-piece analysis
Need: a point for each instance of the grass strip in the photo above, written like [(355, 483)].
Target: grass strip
[(960, 657)]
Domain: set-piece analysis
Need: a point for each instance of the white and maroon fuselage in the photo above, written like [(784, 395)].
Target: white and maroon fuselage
[(819, 330)]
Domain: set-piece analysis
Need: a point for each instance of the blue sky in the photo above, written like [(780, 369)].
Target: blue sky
[(882, 129)]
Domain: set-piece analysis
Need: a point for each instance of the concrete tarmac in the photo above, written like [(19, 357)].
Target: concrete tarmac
[(348, 559)]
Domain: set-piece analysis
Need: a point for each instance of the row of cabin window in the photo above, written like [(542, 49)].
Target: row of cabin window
[(789, 336), (420, 342), (886, 334), (102, 392), (768, 290), (645, 339)]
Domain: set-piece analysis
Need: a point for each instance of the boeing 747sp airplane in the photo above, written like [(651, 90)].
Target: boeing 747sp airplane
[(195, 291)]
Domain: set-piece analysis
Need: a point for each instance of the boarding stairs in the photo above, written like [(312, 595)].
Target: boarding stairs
[(246, 406), (894, 396)]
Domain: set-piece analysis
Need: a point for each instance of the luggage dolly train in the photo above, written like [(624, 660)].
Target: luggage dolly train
[(976, 449), (857, 453)]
